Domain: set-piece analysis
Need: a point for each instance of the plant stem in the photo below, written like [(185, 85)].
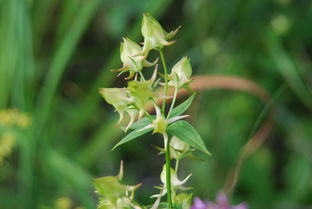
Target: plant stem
[(167, 141), (148, 115), (166, 80), (142, 76), (177, 165), (168, 172), (173, 101)]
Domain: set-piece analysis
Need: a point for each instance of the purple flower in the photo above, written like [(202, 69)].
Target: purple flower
[(222, 203)]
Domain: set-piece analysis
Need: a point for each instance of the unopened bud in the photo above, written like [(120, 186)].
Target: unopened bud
[(154, 35), (118, 97), (181, 73)]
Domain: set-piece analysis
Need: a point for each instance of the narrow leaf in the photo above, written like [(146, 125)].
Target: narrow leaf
[(187, 133), (132, 135), (181, 108)]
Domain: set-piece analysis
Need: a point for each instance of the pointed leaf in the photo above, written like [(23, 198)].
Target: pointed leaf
[(181, 108), (132, 135), (187, 133)]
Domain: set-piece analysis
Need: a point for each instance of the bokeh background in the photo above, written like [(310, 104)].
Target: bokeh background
[(55, 54)]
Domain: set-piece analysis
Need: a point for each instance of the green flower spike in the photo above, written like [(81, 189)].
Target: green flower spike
[(155, 36), (181, 73), (120, 99), (132, 61)]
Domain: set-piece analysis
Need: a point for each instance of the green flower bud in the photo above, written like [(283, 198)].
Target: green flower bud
[(181, 73), (184, 200), (128, 51), (175, 185), (110, 187), (178, 148), (142, 92), (122, 101), (154, 35), (130, 56), (175, 182), (113, 193), (118, 97)]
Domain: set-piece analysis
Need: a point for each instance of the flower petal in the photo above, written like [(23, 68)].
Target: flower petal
[(173, 119)]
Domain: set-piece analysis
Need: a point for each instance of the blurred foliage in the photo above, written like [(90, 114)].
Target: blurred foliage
[(55, 54)]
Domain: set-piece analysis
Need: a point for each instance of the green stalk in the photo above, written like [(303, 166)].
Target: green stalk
[(166, 80), (167, 145), (148, 115), (177, 165), (142, 76), (168, 172), (173, 101)]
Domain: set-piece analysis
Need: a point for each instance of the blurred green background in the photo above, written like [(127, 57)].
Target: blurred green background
[(55, 54)]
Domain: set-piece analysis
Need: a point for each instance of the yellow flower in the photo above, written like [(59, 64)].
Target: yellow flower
[(12, 117), (7, 141), (63, 203)]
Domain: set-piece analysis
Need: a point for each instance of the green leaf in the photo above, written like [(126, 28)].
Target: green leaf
[(181, 108), (132, 135), (187, 133), (141, 123)]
